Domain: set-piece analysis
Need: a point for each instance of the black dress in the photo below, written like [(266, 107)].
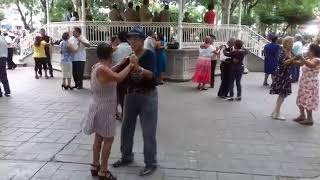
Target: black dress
[(281, 83), (225, 68)]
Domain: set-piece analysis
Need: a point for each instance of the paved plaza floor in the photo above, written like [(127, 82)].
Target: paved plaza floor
[(200, 137)]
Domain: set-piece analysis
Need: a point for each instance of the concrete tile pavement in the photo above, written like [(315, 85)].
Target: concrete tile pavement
[(200, 137)]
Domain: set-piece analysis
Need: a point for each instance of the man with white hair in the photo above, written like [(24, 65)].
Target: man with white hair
[(297, 50), (3, 71)]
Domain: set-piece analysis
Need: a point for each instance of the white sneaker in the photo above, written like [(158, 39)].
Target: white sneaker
[(277, 116)]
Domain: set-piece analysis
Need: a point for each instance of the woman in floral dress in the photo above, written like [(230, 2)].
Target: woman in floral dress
[(308, 94), (281, 83)]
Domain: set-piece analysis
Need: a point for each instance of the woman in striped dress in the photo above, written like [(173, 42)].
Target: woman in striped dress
[(101, 119)]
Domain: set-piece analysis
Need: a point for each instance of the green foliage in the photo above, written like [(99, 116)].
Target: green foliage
[(1, 15), (295, 15), (269, 18), (247, 20), (59, 10)]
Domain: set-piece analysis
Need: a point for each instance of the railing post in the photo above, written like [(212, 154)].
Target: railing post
[(179, 36), (180, 27)]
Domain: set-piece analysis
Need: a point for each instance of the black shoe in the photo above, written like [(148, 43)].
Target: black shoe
[(51, 75), (238, 98), (64, 87), (121, 163), (265, 84), (1, 95), (148, 170), (79, 87), (230, 99), (7, 94)]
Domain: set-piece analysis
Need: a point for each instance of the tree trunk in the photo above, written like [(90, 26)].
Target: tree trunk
[(225, 11), (23, 17)]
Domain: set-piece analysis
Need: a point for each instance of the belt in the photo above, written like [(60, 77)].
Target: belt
[(140, 90)]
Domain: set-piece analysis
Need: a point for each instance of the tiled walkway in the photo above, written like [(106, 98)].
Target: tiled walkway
[(200, 137)]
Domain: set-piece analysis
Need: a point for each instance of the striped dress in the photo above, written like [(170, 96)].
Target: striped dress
[(102, 111)]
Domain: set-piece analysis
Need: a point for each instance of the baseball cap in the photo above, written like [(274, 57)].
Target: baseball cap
[(137, 31)]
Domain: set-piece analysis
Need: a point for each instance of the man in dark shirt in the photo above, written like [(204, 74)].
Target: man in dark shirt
[(47, 39), (237, 67), (141, 100)]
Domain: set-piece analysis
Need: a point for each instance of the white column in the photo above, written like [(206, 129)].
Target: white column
[(83, 10), (48, 11), (229, 8), (240, 12), (179, 36), (239, 21)]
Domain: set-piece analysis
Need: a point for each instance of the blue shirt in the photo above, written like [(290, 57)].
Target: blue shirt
[(66, 55), (297, 48)]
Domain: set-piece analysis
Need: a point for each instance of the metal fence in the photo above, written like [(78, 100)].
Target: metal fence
[(192, 34)]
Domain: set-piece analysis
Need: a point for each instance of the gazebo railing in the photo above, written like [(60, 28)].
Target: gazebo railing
[(192, 34)]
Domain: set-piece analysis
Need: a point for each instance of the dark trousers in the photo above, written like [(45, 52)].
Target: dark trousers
[(40, 63), (77, 72), (213, 69), (236, 75), (225, 79), (49, 65), (3, 76), (10, 62), (144, 105), (121, 93), (295, 73)]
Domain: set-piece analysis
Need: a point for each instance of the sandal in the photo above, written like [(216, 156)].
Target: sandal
[(106, 176), (299, 119), (94, 170), (306, 122)]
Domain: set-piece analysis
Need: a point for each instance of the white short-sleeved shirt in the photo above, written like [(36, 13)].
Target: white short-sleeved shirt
[(208, 53), (3, 47), (123, 50), (149, 44), (80, 55)]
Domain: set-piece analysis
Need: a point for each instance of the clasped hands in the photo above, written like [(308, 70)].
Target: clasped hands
[(134, 63)]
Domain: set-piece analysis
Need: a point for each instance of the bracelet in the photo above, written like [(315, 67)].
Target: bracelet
[(141, 71)]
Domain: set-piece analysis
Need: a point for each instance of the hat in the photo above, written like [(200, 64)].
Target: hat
[(137, 31)]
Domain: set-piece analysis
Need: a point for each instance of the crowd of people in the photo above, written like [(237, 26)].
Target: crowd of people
[(139, 14), (232, 67), (283, 61), (73, 57), (143, 14)]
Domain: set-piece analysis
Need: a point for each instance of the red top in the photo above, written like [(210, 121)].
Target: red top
[(210, 17)]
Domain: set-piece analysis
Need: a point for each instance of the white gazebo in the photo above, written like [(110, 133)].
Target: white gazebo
[(188, 35)]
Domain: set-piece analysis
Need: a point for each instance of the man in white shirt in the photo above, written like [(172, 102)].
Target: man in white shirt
[(79, 58), (10, 44), (214, 59), (297, 50), (123, 51), (3, 71), (150, 42)]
